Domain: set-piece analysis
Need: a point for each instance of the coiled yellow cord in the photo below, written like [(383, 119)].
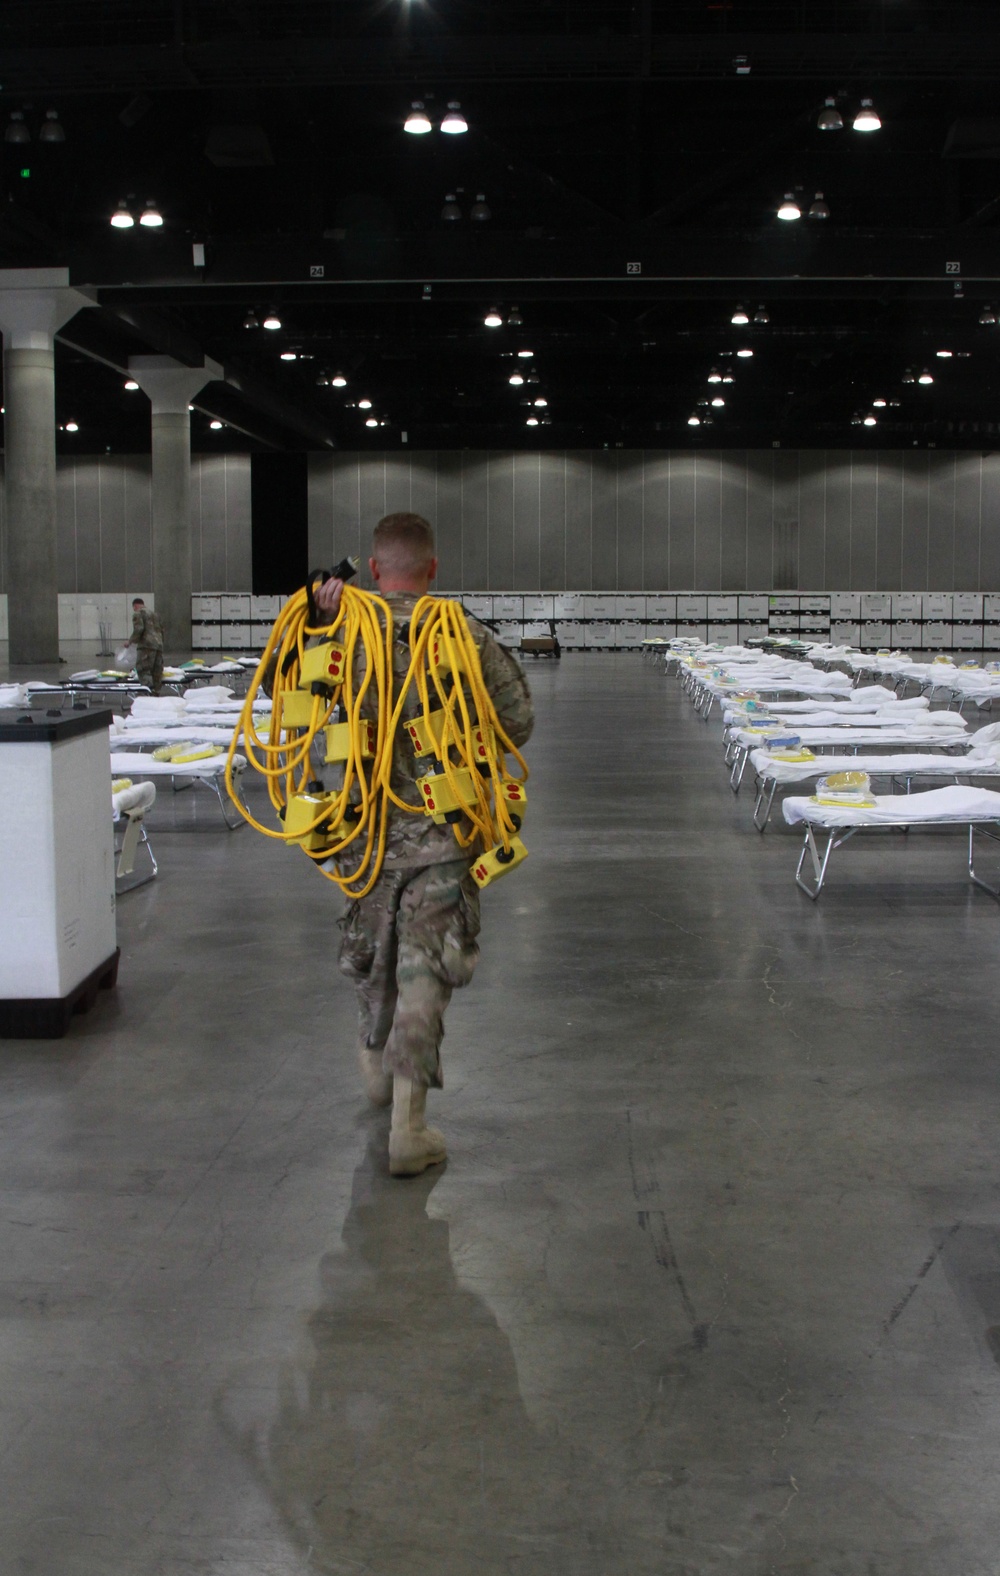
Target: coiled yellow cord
[(444, 668)]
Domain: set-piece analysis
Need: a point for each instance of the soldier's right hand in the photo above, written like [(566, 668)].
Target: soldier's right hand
[(328, 596)]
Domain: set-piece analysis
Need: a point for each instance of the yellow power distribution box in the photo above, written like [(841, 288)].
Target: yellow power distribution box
[(484, 743), (439, 798), (297, 708), (338, 740), (490, 867), (514, 797), (323, 664), (300, 813), (438, 658), (425, 732)]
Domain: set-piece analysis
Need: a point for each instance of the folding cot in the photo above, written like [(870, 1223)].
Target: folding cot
[(742, 741), (210, 772), (772, 774), (129, 805), (978, 809)]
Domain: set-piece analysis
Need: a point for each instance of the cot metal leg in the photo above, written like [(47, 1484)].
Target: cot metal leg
[(739, 767), (763, 803), (134, 839), (217, 785), (819, 863), (994, 838)]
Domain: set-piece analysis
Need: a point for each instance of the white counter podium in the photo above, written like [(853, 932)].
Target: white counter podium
[(58, 945)]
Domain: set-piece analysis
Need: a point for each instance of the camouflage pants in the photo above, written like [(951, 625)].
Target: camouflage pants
[(407, 946), (149, 667)]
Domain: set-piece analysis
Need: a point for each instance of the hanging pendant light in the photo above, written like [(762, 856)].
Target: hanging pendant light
[(451, 212), (715, 376), (762, 315), (493, 318), (740, 317), (251, 320), (122, 219), (694, 420), (480, 210), (52, 128), (454, 123), (338, 381), (789, 208), (830, 118), (16, 130), (867, 119), (818, 208), (416, 122), (151, 217), (926, 376), (272, 322), (988, 316)]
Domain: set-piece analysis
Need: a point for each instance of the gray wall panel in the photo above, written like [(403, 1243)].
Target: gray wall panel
[(552, 516), (138, 574), (941, 534), (111, 492), (67, 570), (711, 520), (707, 523), (968, 517), (398, 479), (208, 524), (889, 522), (87, 519), (527, 521), (319, 493)]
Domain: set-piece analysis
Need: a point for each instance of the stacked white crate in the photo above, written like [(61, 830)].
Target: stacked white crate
[(782, 614), (991, 622), (876, 611), (661, 617), (263, 612), (206, 621), (4, 627), (692, 616), (630, 619), (967, 620), (845, 618), (752, 610), (723, 619), (936, 633), (814, 614), (567, 607)]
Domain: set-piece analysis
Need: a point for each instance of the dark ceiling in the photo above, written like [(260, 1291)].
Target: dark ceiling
[(632, 158)]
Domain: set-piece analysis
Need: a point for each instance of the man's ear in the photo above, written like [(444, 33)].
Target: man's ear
[(376, 573), (432, 569)]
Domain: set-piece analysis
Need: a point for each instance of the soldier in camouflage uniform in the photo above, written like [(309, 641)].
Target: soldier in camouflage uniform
[(147, 638), (412, 940)]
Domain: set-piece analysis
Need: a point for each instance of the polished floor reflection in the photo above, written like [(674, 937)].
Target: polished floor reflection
[(710, 1281)]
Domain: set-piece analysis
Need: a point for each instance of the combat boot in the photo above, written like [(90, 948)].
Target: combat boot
[(413, 1146), (378, 1084)]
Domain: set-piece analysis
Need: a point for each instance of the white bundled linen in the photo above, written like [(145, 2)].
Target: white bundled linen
[(850, 720), (204, 697), (822, 737), (940, 805), (13, 695), (198, 734), (786, 772), (139, 796), (157, 708)]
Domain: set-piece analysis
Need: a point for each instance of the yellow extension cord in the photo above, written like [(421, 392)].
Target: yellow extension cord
[(471, 738)]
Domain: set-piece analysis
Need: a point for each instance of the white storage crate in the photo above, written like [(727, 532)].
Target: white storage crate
[(663, 607), (539, 630), (598, 607), (568, 604), (752, 606), (508, 632), (478, 604), (4, 627), (235, 637), (814, 624), (538, 607), (936, 635), (630, 609), (991, 607), (844, 634), (722, 609), (260, 634), (692, 631), (692, 608), (265, 607), (508, 608), (937, 606), (206, 637), (815, 602), (754, 631), (875, 605), (601, 635), (875, 634), (967, 637), (906, 636), (967, 607), (571, 633), (906, 605), (782, 603), (629, 635), (845, 605), (659, 631), (235, 605), (206, 607), (728, 634)]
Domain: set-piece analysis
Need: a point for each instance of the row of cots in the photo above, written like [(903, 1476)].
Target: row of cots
[(812, 723)]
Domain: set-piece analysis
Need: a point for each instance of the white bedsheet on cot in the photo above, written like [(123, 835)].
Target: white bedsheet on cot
[(850, 721), (900, 809), (124, 764), (826, 736), (784, 772), (197, 734)]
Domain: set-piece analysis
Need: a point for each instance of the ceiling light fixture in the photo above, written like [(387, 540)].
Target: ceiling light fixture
[(16, 130), (945, 355), (870, 420), (480, 210), (926, 376), (371, 421), (819, 208), (740, 317), (762, 315), (151, 217), (694, 420), (541, 402), (516, 379), (532, 377), (532, 421), (72, 426), (454, 123), (878, 404), (251, 320), (289, 355), (122, 219), (715, 376), (525, 355), (493, 318), (364, 404), (718, 402), (908, 376), (52, 128), (272, 321), (216, 426), (417, 122), (789, 208), (451, 213), (727, 377), (867, 119), (514, 318), (131, 385), (744, 354), (830, 118), (338, 381), (987, 315)]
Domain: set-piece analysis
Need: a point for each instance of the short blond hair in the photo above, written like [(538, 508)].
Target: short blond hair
[(403, 542)]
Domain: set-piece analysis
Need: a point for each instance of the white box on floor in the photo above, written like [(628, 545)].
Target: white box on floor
[(538, 606), (844, 634), (936, 636), (630, 609), (568, 604), (206, 637), (723, 609), (661, 606), (235, 605), (206, 607), (69, 617), (752, 606), (601, 635), (265, 607), (875, 605), (906, 605), (571, 633), (727, 634), (478, 604), (693, 608), (937, 606), (235, 637), (906, 636), (629, 635), (56, 861), (845, 605), (967, 637), (967, 607), (508, 607)]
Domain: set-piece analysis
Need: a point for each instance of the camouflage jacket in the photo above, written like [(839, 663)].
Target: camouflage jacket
[(415, 839), (147, 630)]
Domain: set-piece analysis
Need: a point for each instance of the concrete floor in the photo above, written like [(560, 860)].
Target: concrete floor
[(710, 1283)]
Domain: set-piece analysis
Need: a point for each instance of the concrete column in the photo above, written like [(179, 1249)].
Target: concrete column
[(171, 386), (34, 303)]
